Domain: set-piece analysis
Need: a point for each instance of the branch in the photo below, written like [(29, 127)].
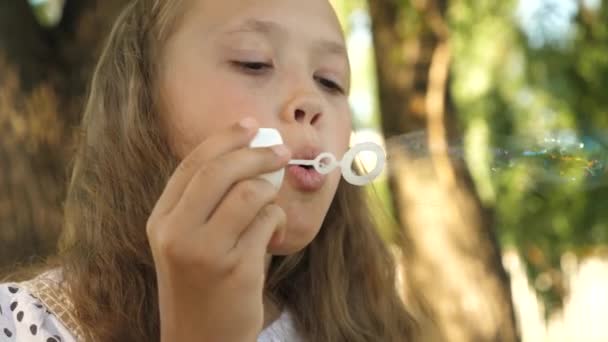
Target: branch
[(397, 57), (436, 111)]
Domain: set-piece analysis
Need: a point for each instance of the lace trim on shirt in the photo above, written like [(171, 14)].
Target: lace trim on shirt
[(53, 295)]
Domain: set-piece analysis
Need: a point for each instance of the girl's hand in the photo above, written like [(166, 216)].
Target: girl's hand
[(209, 233)]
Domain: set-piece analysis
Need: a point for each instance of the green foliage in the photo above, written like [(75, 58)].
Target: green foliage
[(511, 92), (549, 198), (48, 12)]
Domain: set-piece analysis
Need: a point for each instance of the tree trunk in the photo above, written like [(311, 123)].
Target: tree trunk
[(43, 75), (451, 263)]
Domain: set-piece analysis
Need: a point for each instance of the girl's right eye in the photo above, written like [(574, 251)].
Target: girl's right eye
[(252, 67)]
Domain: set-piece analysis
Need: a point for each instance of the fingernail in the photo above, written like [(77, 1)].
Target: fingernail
[(248, 123), (279, 150)]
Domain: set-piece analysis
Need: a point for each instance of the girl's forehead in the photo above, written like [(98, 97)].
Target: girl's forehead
[(315, 17)]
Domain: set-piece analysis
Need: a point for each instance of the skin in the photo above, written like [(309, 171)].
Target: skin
[(231, 67)]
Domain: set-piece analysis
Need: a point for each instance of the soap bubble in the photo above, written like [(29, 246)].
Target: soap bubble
[(555, 157)]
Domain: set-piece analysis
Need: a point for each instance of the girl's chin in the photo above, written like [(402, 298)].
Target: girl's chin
[(292, 243), (285, 248)]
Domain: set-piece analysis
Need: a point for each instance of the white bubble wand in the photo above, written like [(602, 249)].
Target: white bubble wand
[(325, 162)]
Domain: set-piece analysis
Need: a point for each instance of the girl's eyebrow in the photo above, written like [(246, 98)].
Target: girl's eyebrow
[(271, 28), (330, 47), (256, 26)]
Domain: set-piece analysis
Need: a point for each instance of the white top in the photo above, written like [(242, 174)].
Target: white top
[(24, 318)]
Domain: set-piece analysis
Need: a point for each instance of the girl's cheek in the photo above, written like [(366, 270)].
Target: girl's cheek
[(244, 97)]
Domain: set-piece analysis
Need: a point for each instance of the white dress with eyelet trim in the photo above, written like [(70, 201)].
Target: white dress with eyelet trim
[(24, 317)]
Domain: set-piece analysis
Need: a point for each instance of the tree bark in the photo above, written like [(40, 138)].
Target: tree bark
[(453, 275), (43, 75)]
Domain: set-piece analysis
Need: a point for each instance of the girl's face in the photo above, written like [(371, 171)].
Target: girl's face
[(280, 61)]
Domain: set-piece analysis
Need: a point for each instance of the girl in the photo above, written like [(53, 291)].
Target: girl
[(169, 232)]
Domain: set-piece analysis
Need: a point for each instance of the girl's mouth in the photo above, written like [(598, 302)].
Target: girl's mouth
[(305, 178)]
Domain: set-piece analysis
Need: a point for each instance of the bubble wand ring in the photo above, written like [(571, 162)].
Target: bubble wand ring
[(326, 162)]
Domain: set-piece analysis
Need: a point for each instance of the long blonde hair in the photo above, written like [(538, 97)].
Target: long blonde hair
[(340, 288)]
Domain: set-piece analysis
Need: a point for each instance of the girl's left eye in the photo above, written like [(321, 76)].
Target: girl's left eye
[(330, 85), (254, 67)]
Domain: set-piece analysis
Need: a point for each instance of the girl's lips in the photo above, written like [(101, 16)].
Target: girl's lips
[(305, 179)]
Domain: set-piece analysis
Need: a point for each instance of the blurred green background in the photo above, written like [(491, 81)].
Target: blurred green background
[(528, 82)]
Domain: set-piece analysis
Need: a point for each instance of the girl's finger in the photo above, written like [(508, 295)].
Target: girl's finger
[(237, 210), (255, 239), (237, 136), (213, 181)]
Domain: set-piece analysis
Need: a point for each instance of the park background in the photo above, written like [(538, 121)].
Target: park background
[(494, 116)]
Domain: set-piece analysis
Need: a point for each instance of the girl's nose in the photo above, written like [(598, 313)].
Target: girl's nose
[(304, 109)]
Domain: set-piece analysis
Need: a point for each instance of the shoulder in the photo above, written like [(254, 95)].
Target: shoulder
[(23, 317), (281, 330)]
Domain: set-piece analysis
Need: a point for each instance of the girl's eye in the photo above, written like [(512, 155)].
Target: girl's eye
[(330, 85), (252, 67)]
